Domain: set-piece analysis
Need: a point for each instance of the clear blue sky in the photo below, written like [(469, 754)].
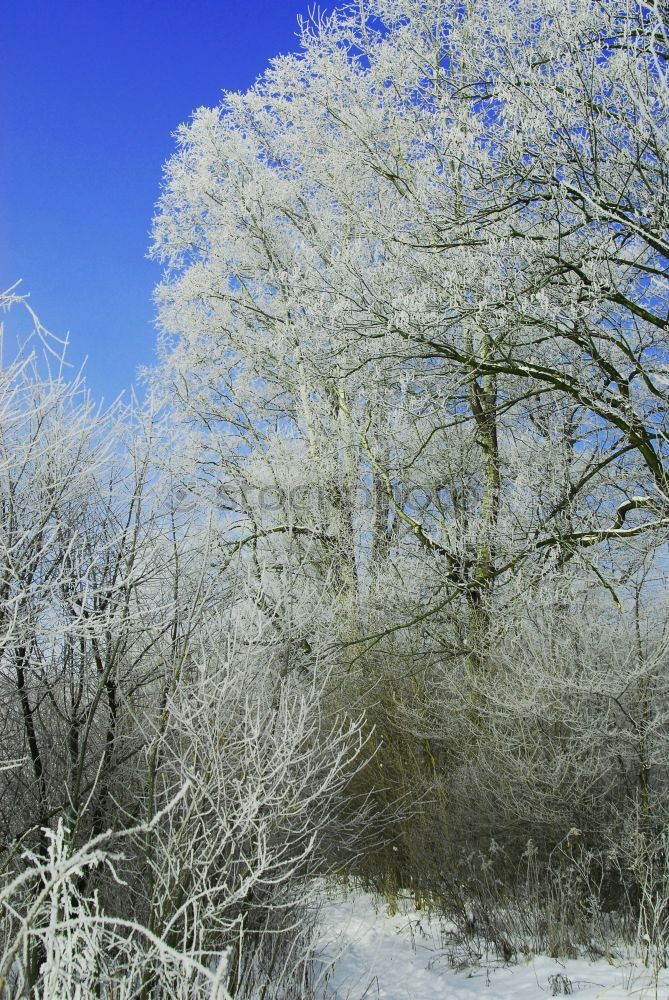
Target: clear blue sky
[(90, 93)]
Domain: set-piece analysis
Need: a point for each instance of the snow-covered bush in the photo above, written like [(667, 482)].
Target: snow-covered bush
[(171, 789)]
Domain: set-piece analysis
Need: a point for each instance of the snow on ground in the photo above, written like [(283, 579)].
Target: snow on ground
[(370, 955)]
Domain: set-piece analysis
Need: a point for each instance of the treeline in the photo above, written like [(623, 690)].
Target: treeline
[(375, 582)]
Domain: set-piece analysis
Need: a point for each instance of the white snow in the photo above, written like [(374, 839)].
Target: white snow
[(369, 955)]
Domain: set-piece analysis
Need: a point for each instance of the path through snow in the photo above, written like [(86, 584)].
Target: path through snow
[(404, 957)]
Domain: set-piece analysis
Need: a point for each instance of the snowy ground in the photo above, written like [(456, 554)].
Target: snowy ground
[(403, 957)]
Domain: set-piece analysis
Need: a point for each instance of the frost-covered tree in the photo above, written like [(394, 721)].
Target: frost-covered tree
[(457, 211), (416, 291)]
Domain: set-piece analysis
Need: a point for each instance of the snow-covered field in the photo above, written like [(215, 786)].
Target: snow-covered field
[(374, 956)]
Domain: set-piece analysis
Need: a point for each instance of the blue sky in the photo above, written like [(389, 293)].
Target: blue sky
[(90, 93)]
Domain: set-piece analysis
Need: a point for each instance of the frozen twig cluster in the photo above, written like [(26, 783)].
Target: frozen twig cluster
[(169, 789)]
